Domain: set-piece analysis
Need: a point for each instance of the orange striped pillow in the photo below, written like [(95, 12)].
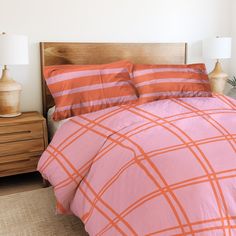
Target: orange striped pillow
[(79, 89), (155, 82)]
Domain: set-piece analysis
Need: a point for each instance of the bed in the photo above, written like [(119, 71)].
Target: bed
[(163, 167)]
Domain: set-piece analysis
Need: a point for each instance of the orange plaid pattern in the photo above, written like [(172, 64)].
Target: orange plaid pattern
[(149, 170)]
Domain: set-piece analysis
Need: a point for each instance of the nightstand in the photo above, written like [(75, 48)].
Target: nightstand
[(22, 141)]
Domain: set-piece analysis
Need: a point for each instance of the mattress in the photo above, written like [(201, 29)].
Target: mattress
[(53, 125)]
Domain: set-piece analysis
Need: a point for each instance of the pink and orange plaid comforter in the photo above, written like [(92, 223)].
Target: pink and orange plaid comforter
[(161, 168)]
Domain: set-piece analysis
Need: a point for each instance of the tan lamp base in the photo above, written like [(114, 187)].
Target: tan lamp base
[(218, 79), (10, 115), (9, 96)]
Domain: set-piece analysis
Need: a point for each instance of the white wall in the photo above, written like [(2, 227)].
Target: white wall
[(109, 21), (233, 61)]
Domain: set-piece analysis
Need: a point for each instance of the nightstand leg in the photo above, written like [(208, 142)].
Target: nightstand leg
[(45, 183)]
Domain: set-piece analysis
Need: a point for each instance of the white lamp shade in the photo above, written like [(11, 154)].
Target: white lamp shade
[(217, 48), (13, 49)]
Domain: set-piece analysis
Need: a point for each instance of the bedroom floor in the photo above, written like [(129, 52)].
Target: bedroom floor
[(20, 183), (27, 210)]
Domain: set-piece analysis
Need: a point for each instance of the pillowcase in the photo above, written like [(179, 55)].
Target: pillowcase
[(155, 82), (79, 89)]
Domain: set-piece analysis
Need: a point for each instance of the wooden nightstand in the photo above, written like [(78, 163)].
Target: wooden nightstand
[(22, 141)]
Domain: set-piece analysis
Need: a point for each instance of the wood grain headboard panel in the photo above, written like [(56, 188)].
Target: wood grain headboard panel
[(99, 53)]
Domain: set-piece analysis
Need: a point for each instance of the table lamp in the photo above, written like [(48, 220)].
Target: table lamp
[(217, 48), (13, 51)]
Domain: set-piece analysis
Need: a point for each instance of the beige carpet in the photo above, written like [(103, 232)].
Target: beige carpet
[(32, 213)]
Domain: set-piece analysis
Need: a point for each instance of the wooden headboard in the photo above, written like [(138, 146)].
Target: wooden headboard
[(99, 53)]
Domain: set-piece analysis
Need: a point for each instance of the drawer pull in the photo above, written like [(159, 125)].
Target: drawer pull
[(20, 132), (26, 157), (16, 132), (15, 161)]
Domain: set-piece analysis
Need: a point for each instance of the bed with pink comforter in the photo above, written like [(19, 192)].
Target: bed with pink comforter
[(162, 168)]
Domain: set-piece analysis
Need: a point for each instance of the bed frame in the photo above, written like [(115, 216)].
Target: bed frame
[(97, 53)]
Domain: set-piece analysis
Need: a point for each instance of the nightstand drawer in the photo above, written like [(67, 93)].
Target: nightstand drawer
[(21, 147), (18, 164), (21, 132)]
